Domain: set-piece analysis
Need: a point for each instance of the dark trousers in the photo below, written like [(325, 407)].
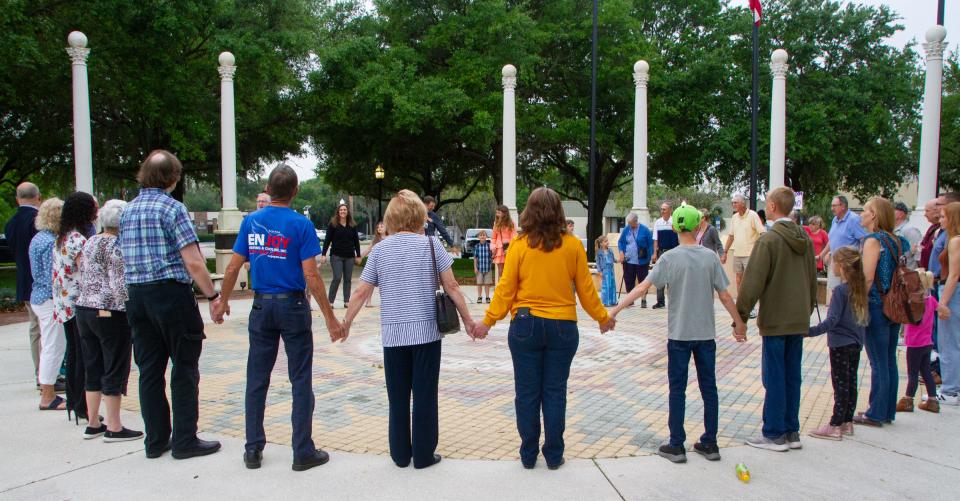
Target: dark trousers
[(542, 351), (661, 291), (844, 362), (106, 350), (342, 270), (413, 369), (76, 371), (634, 274), (272, 320), (781, 380), (881, 346), (166, 325), (918, 364), (678, 361)]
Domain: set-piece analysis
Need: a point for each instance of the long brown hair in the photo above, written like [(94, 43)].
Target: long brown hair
[(952, 224), (882, 213), (505, 221), (851, 269), (335, 220), (543, 221)]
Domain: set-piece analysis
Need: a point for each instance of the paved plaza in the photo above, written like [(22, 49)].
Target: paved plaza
[(617, 399)]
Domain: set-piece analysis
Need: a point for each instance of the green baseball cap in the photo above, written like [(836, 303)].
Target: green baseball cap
[(685, 218)]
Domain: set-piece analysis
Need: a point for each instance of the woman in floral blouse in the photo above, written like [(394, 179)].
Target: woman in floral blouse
[(104, 332), (79, 212)]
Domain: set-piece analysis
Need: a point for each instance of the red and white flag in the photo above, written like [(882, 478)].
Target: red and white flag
[(757, 11)]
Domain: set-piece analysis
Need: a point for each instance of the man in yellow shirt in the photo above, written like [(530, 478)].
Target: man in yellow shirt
[(745, 229)]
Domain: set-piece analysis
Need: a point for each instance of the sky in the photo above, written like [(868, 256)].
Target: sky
[(917, 16)]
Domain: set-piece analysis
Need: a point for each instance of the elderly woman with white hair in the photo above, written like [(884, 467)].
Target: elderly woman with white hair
[(636, 250), (104, 331)]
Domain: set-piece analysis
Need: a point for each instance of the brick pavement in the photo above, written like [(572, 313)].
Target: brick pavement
[(617, 402)]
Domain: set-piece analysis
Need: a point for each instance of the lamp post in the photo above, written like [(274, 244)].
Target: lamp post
[(379, 173)]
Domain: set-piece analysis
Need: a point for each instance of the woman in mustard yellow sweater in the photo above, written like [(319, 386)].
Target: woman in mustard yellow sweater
[(536, 291)]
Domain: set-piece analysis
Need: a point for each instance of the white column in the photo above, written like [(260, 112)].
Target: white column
[(930, 131), (641, 75), (228, 136), (509, 177), (228, 223), (778, 118), (82, 151)]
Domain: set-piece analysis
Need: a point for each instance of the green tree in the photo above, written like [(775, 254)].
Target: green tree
[(949, 127), (153, 84)]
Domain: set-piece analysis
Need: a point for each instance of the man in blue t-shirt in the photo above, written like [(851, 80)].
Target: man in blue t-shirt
[(281, 246)]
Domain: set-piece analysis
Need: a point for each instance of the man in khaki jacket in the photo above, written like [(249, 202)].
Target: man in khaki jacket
[(782, 276)]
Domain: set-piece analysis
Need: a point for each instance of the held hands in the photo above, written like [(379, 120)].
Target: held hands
[(479, 330), (740, 331), (943, 311), (218, 308), (357, 261), (608, 325), (723, 258), (339, 331), (323, 259)]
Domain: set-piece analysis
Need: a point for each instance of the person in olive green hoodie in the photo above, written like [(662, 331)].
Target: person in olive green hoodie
[(782, 276)]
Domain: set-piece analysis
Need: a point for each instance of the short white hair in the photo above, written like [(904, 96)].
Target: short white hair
[(737, 197), (110, 213), (632, 217)]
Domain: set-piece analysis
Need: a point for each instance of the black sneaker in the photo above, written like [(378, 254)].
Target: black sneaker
[(479, 299), (659, 306), (709, 451), (121, 436), (92, 432), (154, 454), (436, 459), (488, 300), (196, 449), (643, 303), (319, 458), (252, 459), (558, 465), (675, 454)]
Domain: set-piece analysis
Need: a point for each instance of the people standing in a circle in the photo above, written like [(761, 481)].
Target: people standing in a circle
[(434, 224), (504, 231), (664, 239), (343, 243)]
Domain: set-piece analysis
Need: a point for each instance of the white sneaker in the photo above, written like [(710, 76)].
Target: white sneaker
[(945, 399)]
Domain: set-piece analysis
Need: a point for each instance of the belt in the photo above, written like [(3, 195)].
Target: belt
[(166, 281), (281, 295)]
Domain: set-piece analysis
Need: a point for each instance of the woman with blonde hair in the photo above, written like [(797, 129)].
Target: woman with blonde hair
[(408, 268), (882, 251), (535, 289), (504, 231), (948, 328), (53, 343)]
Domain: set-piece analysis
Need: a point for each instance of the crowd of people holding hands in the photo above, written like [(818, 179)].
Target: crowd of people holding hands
[(97, 297)]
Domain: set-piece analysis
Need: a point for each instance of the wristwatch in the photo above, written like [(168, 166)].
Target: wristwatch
[(213, 297)]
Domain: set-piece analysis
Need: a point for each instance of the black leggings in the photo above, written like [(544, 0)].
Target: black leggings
[(918, 363), (844, 362)]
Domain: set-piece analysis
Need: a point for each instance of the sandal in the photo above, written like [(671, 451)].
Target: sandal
[(55, 404)]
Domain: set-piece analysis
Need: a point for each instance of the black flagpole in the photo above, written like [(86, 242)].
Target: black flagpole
[(940, 13), (754, 112), (592, 190)]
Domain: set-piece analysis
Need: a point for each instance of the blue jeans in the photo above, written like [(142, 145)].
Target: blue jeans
[(542, 351), (678, 360), (781, 379), (271, 320), (881, 346), (950, 348)]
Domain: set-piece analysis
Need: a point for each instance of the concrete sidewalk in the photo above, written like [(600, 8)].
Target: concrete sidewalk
[(44, 457)]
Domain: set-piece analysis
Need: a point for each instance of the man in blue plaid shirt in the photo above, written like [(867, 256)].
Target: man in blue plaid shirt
[(483, 266), (160, 255)]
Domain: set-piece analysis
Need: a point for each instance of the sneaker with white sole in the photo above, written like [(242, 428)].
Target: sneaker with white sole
[(123, 435), (778, 444), (793, 440), (946, 399), (676, 454), (92, 432)]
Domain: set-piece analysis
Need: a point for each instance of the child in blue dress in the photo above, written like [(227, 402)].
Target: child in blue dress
[(605, 262)]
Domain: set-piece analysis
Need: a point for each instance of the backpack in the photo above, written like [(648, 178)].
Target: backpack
[(904, 301)]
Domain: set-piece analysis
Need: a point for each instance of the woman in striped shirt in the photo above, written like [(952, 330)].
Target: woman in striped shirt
[(403, 269)]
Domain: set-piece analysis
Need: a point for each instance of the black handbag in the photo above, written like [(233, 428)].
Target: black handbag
[(448, 321)]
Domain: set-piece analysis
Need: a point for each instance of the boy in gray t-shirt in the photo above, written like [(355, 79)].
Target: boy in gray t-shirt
[(691, 273)]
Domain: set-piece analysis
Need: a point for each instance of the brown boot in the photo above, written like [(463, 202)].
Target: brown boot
[(930, 405), (905, 404)]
